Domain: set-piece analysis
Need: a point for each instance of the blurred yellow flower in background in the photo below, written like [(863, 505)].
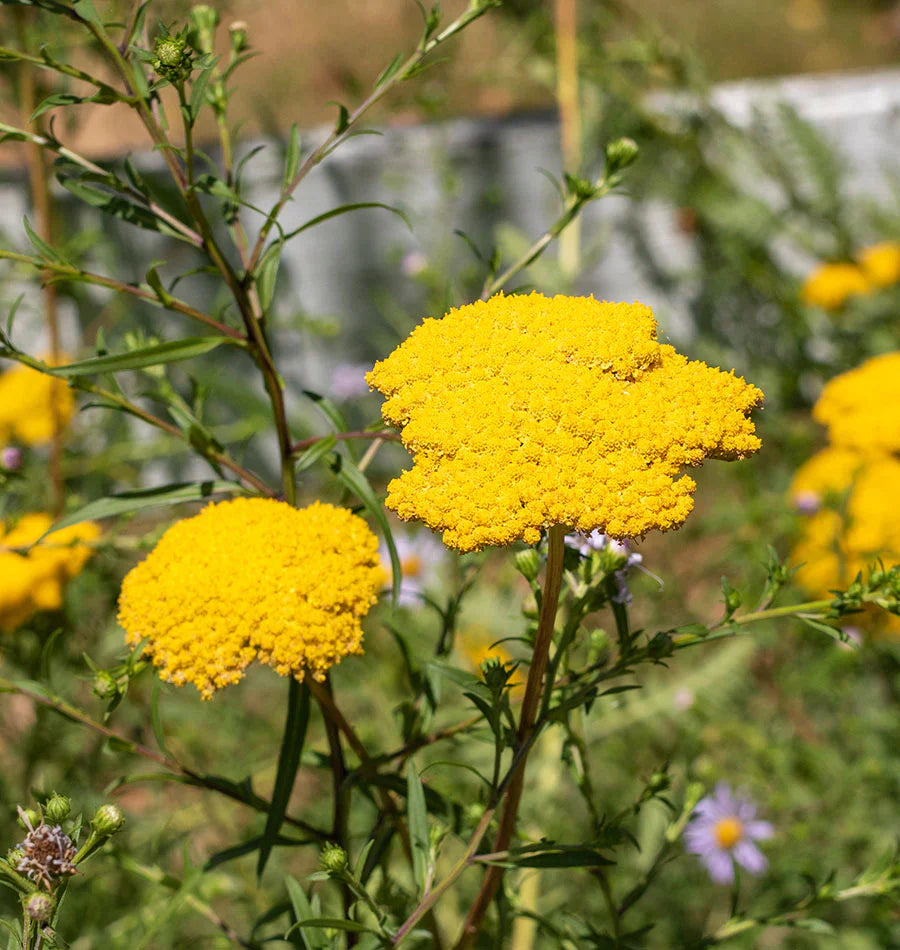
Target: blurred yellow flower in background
[(526, 411), (477, 644), (252, 578), (861, 408), (830, 285), (28, 401), (849, 487), (881, 263), (33, 580)]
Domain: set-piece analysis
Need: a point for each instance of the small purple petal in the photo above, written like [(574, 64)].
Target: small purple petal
[(720, 868), (750, 857), (759, 829)]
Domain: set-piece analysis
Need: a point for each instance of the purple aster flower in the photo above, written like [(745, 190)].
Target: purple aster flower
[(348, 380), (722, 831), (586, 544), (11, 458)]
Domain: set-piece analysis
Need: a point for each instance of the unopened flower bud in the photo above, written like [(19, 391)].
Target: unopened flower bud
[(107, 820), (659, 782), (40, 907), (237, 31), (57, 808), (14, 856), (205, 20), (29, 818), (333, 858), (528, 563), (620, 154), (173, 58), (105, 685)]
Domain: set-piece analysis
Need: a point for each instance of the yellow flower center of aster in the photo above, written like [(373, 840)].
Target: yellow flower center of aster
[(728, 832), (411, 566), (526, 411)]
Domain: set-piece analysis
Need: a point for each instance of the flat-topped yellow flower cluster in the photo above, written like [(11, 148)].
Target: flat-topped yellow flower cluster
[(28, 402), (527, 411), (253, 578), (33, 580), (847, 487)]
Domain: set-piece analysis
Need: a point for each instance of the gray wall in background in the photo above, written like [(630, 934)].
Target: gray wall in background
[(346, 269)]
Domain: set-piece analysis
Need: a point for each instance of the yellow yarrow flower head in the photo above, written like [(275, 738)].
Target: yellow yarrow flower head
[(526, 411), (881, 263), (830, 285), (29, 401), (252, 578), (33, 580), (861, 408)]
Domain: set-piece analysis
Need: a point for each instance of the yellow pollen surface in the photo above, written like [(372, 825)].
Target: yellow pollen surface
[(728, 832), (252, 578), (526, 411)]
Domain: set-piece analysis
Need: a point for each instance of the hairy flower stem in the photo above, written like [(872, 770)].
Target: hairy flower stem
[(530, 704)]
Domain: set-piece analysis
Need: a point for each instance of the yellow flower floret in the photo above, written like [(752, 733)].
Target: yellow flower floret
[(252, 578), (28, 401), (881, 263), (830, 285), (33, 579), (861, 408), (527, 411)]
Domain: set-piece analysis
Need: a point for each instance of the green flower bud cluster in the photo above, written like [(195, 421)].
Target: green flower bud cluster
[(333, 858), (172, 58)]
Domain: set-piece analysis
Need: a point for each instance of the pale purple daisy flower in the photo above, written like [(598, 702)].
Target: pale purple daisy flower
[(807, 502), (348, 380), (586, 544), (722, 831), (11, 458), (421, 558)]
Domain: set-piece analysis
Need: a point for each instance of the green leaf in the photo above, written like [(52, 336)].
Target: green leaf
[(288, 764), (171, 352), (85, 9), (42, 247), (417, 819), (291, 157), (267, 274), (330, 923), (303, 911), (328, 409), (198, 88), (131, 501), (347, 473), (155, 717), (343, 209), (315, 452), (550, 855), (389, 71)]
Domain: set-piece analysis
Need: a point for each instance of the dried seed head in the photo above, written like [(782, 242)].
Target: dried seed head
[(48, 853)]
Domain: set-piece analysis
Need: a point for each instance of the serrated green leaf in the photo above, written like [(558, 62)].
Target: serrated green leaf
[(172, 352), (129, 502), (288, 763), (417, 820)]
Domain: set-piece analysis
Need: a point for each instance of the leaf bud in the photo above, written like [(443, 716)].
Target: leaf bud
[(333, 858), (39, 907), (107, 820), (620, 154), (57, 808), (528, 564)]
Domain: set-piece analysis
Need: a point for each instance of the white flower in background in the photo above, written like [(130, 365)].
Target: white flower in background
[(413, 263), (421, 558)]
